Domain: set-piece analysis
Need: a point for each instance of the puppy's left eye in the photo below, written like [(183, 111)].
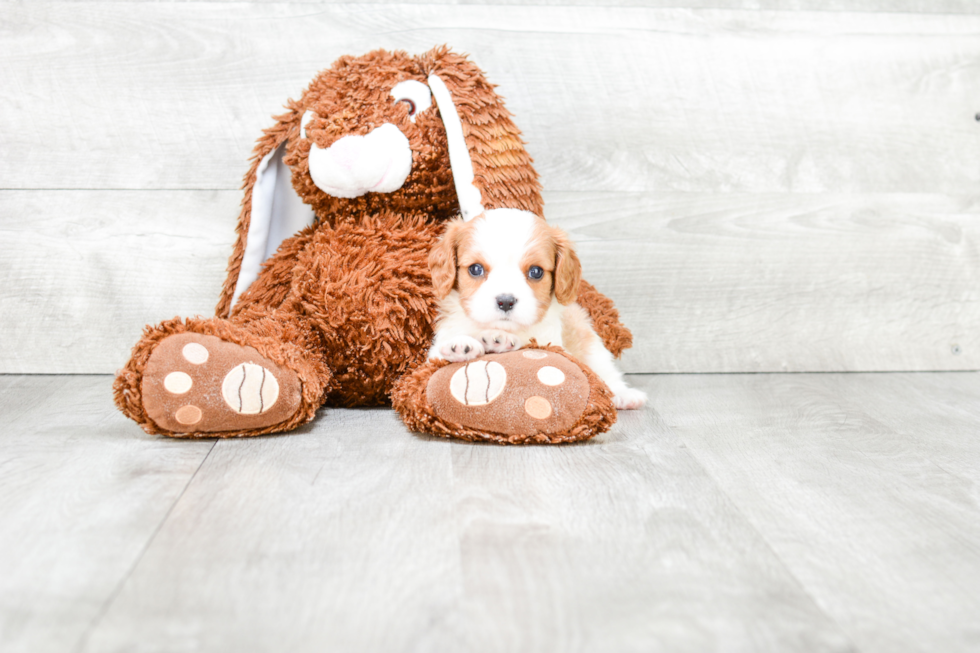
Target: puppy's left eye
[(476, 270), (534, 272)]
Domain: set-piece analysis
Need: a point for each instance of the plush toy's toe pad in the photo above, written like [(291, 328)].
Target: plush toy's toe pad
[(521, 392), (196, 383)]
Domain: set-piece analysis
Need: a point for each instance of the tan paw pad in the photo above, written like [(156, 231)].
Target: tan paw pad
[(178, 383), (478, 383), (537, 407), (188, 415), (549, 375), (250, 389), (196, 383), (195, 353), (515, 393)]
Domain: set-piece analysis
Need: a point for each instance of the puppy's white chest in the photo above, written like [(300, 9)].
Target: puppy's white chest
[(549, 329)]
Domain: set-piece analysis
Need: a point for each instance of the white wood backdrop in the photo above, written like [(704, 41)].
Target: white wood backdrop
[(759, 185)]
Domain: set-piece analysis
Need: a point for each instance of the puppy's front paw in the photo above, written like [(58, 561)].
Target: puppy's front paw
[(629, 398), (499, 342), (461, 348)]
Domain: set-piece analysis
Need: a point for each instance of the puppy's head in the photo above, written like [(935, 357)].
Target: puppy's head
[(507, 265)]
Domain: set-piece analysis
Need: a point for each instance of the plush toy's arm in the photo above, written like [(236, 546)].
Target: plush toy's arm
[(605, 318)]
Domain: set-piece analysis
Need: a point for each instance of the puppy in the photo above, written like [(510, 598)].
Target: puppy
[(506, 279)]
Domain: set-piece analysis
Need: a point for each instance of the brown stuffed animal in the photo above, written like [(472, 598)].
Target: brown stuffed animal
[(329, 298)]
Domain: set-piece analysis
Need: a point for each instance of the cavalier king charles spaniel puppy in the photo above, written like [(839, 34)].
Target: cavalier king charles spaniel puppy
[(504, 279)]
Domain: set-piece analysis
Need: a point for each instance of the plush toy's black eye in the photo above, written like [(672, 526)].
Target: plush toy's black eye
[(534, 272), (476, 270), (411, 106)]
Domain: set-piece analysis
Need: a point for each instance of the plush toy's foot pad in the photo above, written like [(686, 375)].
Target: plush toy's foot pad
[(196, 383), (521, 392)]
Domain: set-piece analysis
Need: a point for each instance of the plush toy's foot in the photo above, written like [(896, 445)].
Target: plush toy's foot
[(531, 395), (195, 383)]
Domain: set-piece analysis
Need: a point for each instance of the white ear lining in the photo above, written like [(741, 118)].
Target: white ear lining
[(470, 199), (278, 213), (304, 121)]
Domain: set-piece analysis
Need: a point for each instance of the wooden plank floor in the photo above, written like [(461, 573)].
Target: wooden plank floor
[(806, 512)]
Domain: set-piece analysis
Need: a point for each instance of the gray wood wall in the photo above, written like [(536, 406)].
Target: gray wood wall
[(760, 185)]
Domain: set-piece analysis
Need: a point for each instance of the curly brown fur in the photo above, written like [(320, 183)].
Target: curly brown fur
[(367, 289), (605, 318), (502, 167), (347, 303), (357, 274)]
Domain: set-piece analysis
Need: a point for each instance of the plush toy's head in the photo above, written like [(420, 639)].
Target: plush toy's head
[(377, 133), (370, 137)]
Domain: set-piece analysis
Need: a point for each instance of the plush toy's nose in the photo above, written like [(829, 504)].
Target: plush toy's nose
[(506, 302), (346, 151), (354, 165)]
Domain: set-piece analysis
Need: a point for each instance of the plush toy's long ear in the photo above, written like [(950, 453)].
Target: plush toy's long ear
[(469, 196), (271, 210), (498, 166)]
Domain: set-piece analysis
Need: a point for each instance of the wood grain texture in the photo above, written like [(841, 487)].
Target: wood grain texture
[(83, 272), (737, 512), (879, 6), (339, 537), (620, 544), (758, 191), (863, 510), (785, 282), (356, 535), (724, 283), (161, 95), (81, 494), (938, 413)]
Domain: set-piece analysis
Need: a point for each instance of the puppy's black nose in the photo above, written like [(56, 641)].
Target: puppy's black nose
[(506, 302)]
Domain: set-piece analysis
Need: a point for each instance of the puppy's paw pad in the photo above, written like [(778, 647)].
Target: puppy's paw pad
[(499, 342), (629, 399), (461, 349)]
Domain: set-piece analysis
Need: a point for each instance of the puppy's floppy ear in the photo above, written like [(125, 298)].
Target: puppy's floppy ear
[(442, 260), (568, 269)]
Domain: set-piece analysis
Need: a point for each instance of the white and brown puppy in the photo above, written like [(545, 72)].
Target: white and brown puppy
[(506, 279)]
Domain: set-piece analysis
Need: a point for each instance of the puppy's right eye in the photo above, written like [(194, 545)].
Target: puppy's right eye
[(476, 270)]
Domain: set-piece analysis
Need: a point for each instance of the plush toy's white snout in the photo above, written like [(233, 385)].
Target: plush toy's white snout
[(354, 165)]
